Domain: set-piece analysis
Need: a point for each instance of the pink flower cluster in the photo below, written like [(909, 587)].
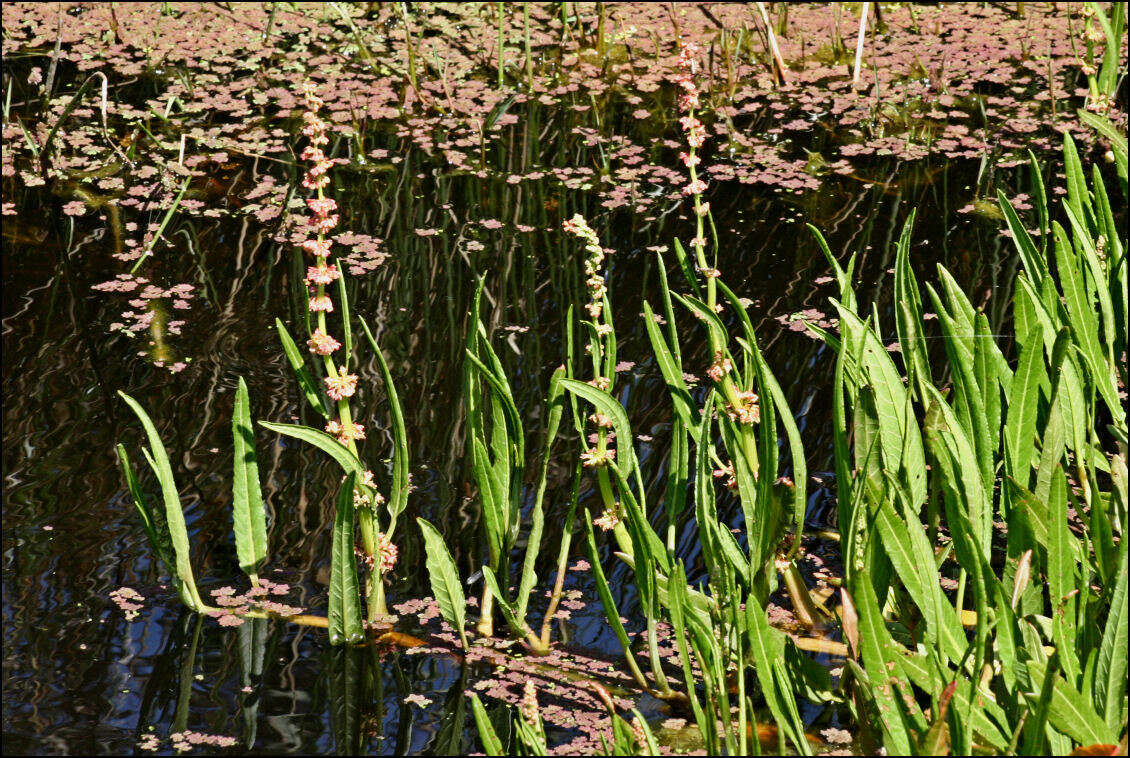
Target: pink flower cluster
[(321, 343), (341, 386), (686, 66), (183, 741), (720, 367), (233, 607), (747, 411), (594, 279), (128, 600), (607, 520), (345, 433), (387, 553)]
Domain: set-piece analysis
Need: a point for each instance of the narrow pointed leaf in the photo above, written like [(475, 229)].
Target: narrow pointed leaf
[(249, 517)]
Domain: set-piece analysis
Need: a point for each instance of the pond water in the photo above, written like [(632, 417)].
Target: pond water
[(81, 677)]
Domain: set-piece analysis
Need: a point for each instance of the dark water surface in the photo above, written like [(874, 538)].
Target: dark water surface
[(81, 678)]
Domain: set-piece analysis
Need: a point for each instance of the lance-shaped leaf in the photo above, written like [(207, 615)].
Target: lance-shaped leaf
[(556, 406), (174, 516), (248, 515), (151, 521), (605, 404), (298, 364), (399, 492), (1069, 711), (672, 370), (491, 744), (444, 579), (324, 442), (610, 610), (345, 606), (768, 648), (1110, 675)]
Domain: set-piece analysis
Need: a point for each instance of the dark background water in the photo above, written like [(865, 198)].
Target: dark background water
[(81, 678)]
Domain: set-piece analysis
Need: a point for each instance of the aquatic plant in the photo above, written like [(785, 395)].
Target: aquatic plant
[(925, 469), (989, 465), (341, 430), (976, 463), (358, 501)]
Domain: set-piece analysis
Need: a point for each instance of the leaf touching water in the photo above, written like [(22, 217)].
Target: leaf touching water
[(344, 613), (174, 515), (444, 578), (249, 520)]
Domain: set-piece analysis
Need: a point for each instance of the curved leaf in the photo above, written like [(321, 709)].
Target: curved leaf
[(248, 516), (398, 497), (444, 579), (174, 516), (324, 442), (298, 364)]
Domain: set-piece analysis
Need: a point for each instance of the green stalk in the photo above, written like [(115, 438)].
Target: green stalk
[(499, 7)]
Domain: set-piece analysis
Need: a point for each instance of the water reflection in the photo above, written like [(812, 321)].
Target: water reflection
[(80, 678)]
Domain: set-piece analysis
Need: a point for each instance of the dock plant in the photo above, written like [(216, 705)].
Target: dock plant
[(359, 503), (941, 472)]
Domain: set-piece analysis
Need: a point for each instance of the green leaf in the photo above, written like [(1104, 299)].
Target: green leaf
[(491, 744), (608, 406), (1070, 713), (344, 613), (346, 321), (843, 277), (687, 269), (1110, 672), (910, 553), (881, 661), (1116, 138), (1033, 261), (1078, 199), (900, 439), (444, 578), (298, 364), (767, 646), (672, 370), (1028, 382), (324, 442), (708, 317), (248, 514), (555, 404), (398, 498), (610, 611), (154, 526), (516, 624), (796, 449), (174, 516)]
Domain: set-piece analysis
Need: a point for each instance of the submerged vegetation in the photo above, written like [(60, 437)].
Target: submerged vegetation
[(938, 565)]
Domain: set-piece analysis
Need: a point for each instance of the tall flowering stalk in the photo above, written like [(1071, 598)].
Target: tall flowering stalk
[(601, 454), (379, 552), (742, 406)]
